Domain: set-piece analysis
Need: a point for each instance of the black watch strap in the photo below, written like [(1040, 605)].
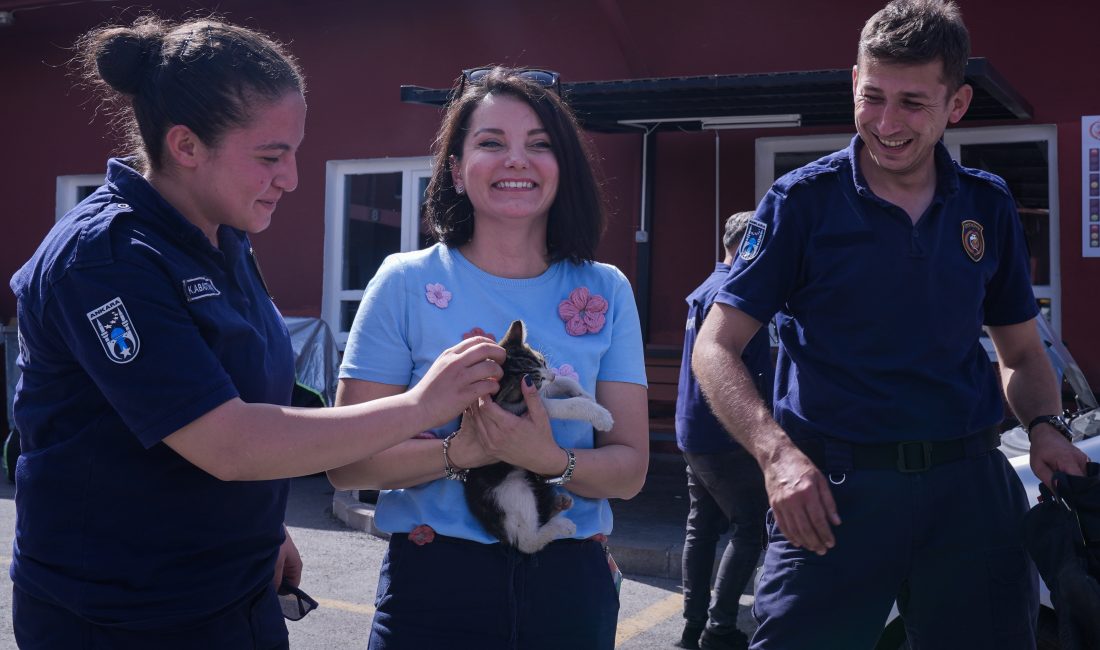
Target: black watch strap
[(1055, 421)]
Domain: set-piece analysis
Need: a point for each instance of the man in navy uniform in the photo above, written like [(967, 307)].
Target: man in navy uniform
[(884, 261), (725, 486)]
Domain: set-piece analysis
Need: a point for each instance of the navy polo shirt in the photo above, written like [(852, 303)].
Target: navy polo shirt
[(879, 319), (133, 325), (697, 430)]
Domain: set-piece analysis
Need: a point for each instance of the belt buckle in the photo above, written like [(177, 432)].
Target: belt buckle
[(919, 459)]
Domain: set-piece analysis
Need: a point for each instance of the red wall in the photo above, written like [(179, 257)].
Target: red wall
[(357, 54)]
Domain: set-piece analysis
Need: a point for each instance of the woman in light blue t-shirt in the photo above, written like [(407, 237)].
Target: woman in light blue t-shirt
[(517, 212)]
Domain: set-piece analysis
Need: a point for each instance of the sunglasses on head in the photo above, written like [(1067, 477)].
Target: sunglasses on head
[(294, 602), (545, 78)]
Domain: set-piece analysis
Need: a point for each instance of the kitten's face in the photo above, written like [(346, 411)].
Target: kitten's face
[(522, 360)]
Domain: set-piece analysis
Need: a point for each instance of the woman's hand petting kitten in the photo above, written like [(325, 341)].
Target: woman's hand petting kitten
[(526, 440), (459, 377)]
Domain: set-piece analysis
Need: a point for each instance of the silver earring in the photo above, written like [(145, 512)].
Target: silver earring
[(460, 189)]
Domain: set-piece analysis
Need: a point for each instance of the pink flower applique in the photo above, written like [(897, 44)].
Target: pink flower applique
[(422, 534), (437, 294), (477, 331), (583, 312), (566, 370)]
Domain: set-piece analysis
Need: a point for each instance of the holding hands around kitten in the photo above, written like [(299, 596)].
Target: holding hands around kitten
[(522, 440)]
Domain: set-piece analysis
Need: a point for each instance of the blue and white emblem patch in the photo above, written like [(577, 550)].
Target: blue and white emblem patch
[(116, 331), (753, 240), (200, 287)]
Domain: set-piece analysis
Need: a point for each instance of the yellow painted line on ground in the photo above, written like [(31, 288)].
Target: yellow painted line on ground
[(356, 608), (343, 605), (649, 617)]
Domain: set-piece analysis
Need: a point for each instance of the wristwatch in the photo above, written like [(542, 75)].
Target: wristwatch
[(1055, 421), (567, 475)]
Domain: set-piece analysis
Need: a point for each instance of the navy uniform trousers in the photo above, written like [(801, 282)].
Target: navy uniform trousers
[(945, 543), (255, 624)]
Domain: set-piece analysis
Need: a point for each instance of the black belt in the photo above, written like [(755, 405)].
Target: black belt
[(834, 455)]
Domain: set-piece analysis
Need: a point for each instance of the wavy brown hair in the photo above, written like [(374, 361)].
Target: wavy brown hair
[(577, 216)]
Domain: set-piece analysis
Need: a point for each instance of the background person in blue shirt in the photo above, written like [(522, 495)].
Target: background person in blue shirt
[(884, 261), (156, 370), (725, 486)]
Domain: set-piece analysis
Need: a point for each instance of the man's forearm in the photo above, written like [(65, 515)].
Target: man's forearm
[(734, 399)]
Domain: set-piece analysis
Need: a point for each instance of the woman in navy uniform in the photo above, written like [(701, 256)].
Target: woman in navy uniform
[(156, 369)]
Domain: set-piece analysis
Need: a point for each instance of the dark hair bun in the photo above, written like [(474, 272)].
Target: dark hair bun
[(123, 56)]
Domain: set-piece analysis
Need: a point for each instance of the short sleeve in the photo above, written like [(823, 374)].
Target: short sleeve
[(764, 277), (127, 327), (1009, 298), (378, 347), (624, 360)]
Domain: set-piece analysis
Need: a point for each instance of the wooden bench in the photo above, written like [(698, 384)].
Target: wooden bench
[(662, 369)]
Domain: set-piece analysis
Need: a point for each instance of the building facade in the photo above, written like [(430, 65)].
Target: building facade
[(365, 162)]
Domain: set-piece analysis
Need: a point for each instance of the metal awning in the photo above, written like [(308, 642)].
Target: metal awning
[(816, 98)]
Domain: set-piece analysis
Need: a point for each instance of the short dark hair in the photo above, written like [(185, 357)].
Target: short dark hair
[(204, 74), (735, 229), (916, 32), (577, 215)]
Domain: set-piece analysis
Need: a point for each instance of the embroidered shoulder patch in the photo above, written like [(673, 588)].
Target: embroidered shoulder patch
[(972, 239), (753, 240), (198, 288), (116, 331)]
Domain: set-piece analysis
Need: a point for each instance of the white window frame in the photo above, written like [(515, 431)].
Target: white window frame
[(767, 148), (67, 187), (412, 169)]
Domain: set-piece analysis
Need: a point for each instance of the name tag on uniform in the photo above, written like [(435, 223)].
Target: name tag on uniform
[(199, 288)]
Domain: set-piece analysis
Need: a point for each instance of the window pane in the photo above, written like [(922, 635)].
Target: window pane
[(84, 191), (424, 238), (787, 161), (1024, 166), (372, 225), (347, 314)]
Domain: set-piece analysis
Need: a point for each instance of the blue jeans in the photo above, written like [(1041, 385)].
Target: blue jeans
[(725, 489), (945, 543), (453, 594)]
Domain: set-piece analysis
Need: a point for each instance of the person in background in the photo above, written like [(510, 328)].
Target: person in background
[(515, 207), (883, 262), (156, 369), (725, 486)]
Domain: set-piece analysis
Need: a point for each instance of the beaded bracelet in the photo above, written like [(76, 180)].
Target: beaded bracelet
[(452, 473)]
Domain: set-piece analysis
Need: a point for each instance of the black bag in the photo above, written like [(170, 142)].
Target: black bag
[(1062, 534)]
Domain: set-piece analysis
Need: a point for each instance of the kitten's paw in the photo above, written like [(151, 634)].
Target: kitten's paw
[(561, 527), (602, 420), (562, 501)]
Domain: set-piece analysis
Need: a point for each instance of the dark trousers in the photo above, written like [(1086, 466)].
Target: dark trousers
[(725, 490), (256, 624), (455, 594), (945, 543)]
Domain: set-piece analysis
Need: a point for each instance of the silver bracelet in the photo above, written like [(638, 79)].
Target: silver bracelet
[(452, 473), (567, 475)]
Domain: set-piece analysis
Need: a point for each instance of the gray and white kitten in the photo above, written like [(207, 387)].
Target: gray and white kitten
[(515, 505)]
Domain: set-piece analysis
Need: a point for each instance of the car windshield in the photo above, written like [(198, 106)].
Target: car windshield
[(1066, 367)]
